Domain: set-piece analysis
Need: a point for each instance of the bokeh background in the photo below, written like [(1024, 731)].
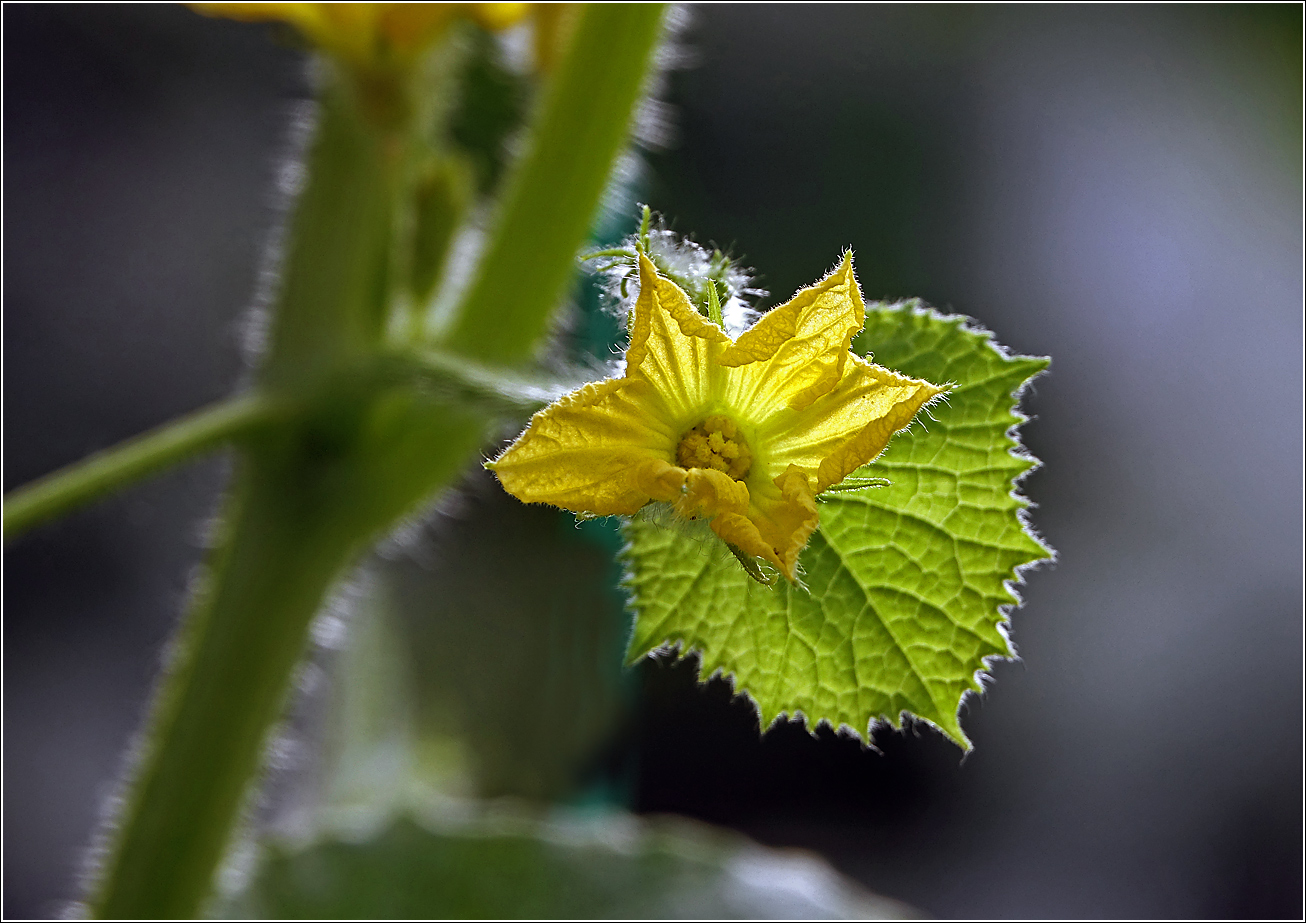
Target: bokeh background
[(1117, 187)]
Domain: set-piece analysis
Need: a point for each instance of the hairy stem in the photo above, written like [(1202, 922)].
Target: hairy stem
[(311, 495), (224, 689), (98, 474), (551, 201), (489, 389), (282, 545)]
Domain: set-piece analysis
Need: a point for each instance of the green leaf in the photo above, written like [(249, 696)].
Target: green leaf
[(500, 590), (907, 585), (503, 866)]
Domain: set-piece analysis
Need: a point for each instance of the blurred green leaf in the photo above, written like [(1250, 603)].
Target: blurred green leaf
[(505, 866), (907, 584), (515, 632), (485, 659)]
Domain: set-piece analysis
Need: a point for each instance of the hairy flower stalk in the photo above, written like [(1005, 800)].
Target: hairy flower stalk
[(742, 432)]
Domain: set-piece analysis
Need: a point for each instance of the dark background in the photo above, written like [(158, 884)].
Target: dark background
[(1119, 188)]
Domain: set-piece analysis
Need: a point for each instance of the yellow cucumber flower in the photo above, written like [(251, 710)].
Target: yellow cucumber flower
[(743, 432), (367, 34)]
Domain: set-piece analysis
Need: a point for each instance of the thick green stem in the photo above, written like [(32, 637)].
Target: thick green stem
[(224, 690), (98, 474), (336, 286), (310, 496), (284, 542), (530, 259)]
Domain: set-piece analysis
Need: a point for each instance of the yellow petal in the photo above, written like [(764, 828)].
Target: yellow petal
[(709, 492), (601, 449), (496, 16), (797, 351), (671, 346), (410, 26), (850, 425), (782, 516), (554, 23), (352, 30), (742, 532)]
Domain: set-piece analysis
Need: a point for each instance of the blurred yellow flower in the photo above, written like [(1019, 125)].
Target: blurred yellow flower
[(367, 34), (743, 432)]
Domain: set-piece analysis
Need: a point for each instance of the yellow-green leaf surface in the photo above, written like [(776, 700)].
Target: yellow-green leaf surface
[(907, 585)]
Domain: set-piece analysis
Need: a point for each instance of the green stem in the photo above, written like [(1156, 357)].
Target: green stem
[(487, 388), (529, 260), (310, 496), (335, 289), (96, 475), (284, 542), (224, 689)]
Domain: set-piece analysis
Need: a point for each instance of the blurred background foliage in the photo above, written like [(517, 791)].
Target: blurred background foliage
[(1118, 188)]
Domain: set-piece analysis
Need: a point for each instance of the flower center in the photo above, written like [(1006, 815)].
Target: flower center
[(715, 443)]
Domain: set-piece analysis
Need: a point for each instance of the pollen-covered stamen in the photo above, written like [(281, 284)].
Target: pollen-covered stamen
[(716, 443)]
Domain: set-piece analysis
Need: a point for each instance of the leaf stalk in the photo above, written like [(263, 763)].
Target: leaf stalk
[(83, 481)]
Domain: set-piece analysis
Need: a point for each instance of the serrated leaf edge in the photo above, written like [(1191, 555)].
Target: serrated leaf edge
[(677, 648)]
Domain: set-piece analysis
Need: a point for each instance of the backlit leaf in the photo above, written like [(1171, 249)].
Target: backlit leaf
[(907, 585)]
